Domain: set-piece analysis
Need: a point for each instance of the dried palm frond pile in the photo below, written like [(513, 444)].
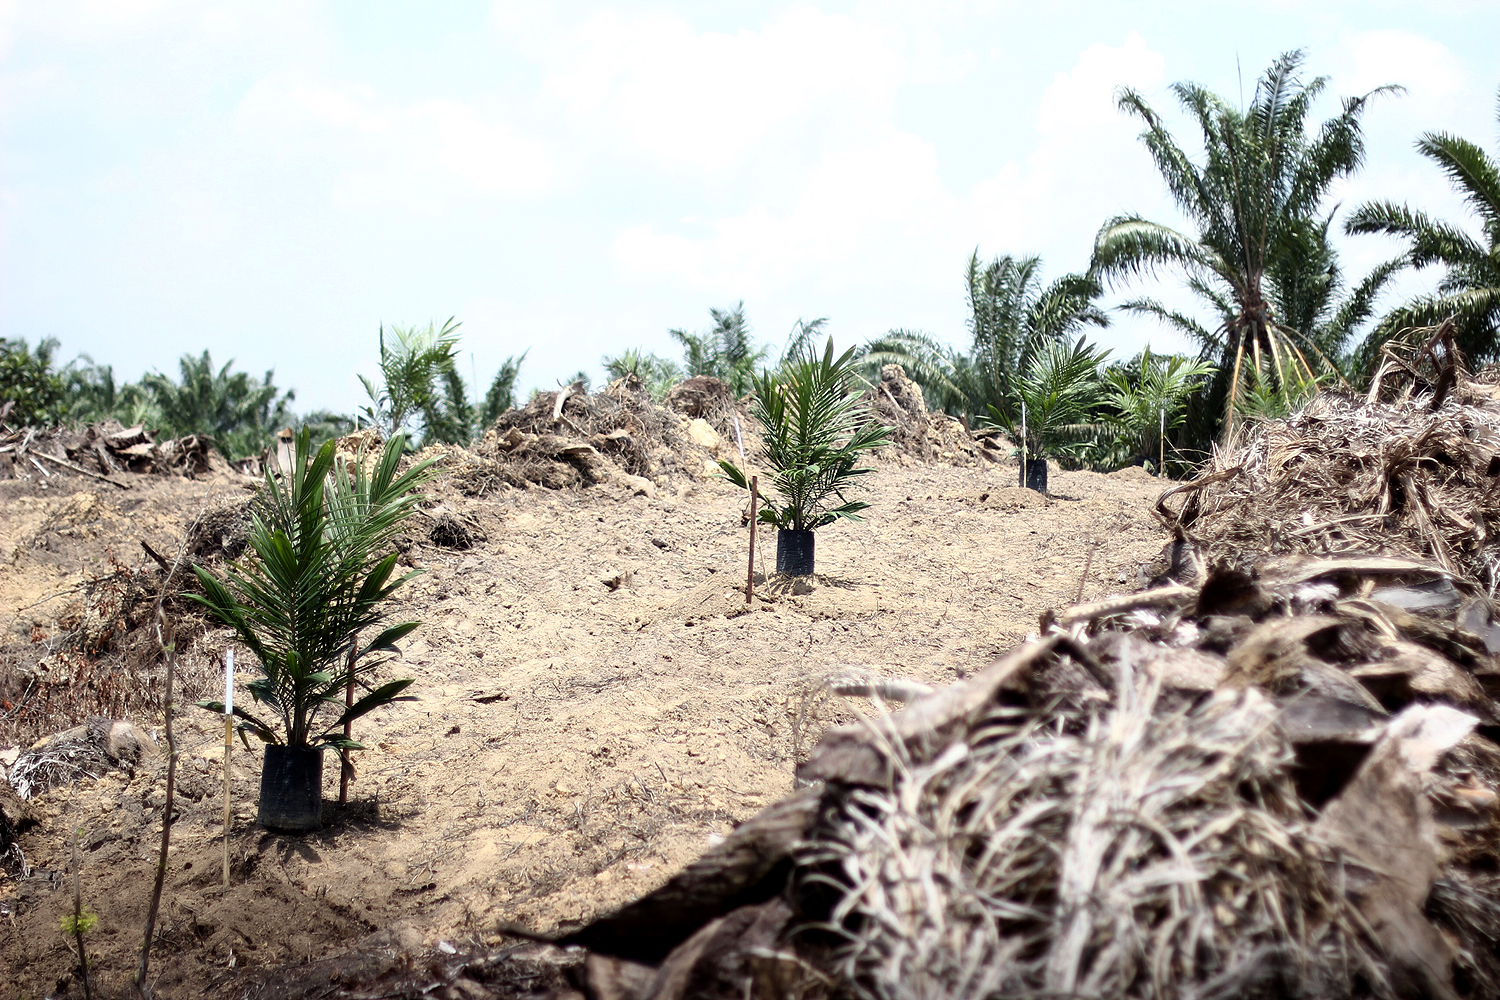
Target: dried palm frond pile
[(572, 438), (1259, 787), (100, 451), (1403, 471), (920, 435)]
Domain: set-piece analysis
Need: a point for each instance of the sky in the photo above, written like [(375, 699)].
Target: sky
[(274, 180)]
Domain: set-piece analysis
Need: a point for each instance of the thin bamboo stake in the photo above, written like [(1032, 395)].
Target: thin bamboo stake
[(1161, 436), (1023, 442), (228, 748), (750, 574)]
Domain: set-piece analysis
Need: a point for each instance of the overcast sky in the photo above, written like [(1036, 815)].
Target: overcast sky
[(272, 180)]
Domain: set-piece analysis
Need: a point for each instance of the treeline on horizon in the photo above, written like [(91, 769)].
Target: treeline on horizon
[(1283, 322)]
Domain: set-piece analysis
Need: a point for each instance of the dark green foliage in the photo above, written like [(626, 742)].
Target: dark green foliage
[(320, 568), (1469, 290), (815, 429), (240, 412), (92, 394), (29, 384)]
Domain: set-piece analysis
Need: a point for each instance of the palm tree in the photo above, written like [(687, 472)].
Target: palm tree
[(657, 374), (420, 380), (240, 412), (1259, 255), (725, 351), (1469, 291), (1012, 317)]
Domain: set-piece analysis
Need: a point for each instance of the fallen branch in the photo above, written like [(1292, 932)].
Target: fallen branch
[(80, 469)]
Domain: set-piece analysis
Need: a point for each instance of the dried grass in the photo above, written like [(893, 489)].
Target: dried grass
[(1402, 472), (1111, 852)]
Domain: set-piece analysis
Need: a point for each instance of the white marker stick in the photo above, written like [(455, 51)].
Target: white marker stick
[(228, 746)]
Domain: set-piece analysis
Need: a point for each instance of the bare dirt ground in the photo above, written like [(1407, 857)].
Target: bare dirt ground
[(596, 703)]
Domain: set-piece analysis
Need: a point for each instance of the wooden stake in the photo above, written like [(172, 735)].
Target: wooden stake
[(168, 646), (750, 576), (344, 766)]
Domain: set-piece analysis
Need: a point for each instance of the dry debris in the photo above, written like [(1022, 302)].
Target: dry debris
[(1249, 788), (85, 751), (570, 438), (100, 451), (1399, 470), (922, 436)]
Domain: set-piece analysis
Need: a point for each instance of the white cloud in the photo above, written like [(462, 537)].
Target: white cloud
[(1429, 70), (677, 97), (875, 208), (379, 149)]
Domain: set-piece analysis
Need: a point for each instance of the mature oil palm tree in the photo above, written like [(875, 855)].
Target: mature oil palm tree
[(242, 413), (1012, 316), (1469, 290), (725, 351), (1257, 251)]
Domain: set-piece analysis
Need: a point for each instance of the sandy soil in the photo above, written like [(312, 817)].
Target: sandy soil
[(596, 705)]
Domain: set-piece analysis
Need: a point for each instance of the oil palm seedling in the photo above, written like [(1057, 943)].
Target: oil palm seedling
[(305, 601), (1255, 204), (1148, 399), (816, 430), (1469, 290), (1050, 412)]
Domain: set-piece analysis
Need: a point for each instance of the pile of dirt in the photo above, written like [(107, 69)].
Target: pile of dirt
[(570, 439), (101, 451), (923, 436), (1269, 787)]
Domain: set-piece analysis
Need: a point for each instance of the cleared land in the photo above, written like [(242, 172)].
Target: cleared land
[(596, 703)]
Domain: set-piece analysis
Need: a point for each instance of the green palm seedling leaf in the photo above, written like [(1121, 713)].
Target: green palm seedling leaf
[(815, 429), (319, 571)]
